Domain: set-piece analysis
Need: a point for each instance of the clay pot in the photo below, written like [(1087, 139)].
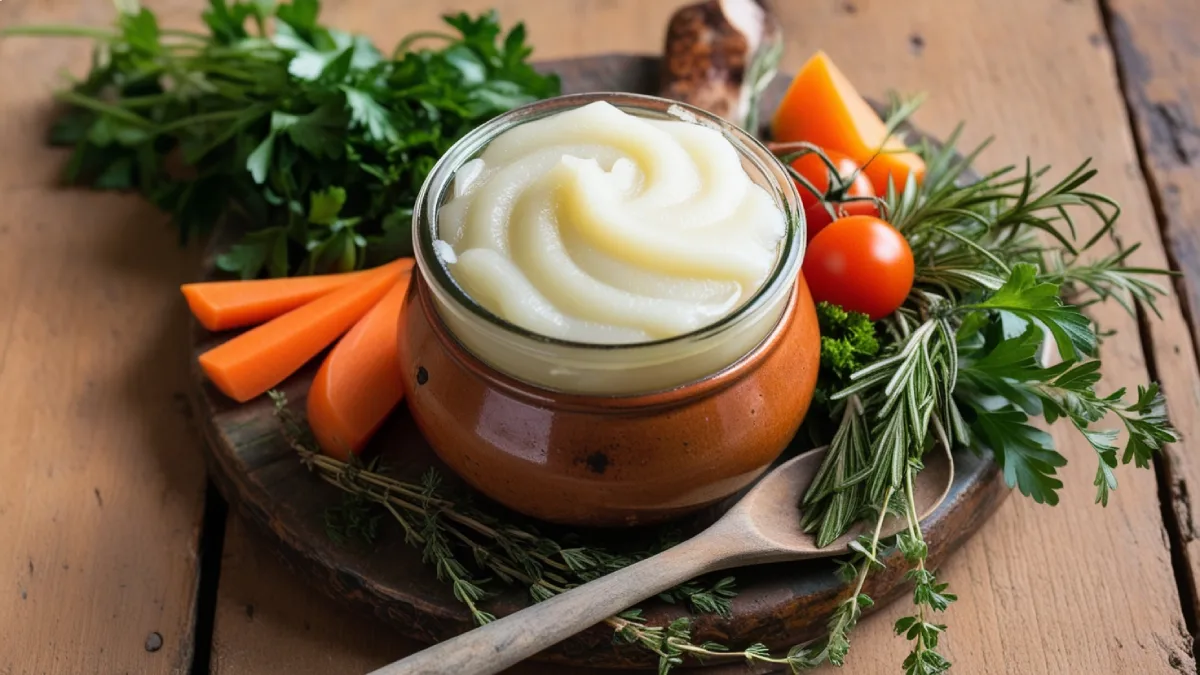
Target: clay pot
[(608, 460), (608, 434)]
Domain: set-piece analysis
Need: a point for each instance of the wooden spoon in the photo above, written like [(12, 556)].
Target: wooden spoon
[(760, 528)]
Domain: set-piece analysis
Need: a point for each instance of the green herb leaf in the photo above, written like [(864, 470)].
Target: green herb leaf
[(259, 161), (366, 113), (318, 132), (1147, 425), (1025, 297), (325, 206), (1026, 453), (262, 248)]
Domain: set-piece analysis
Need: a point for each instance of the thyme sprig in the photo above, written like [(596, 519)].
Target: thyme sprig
[(929, 596), (444, 528), (518, 555)]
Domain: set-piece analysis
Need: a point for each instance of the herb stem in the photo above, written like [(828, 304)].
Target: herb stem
[(406, 44), (96, 105), (217, 116), (874, 550), (59, 30), (912, 519)]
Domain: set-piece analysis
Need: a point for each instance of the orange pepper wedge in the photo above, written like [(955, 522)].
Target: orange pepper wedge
[(822, 107)]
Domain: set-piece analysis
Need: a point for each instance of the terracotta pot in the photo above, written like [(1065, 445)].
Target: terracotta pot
[(608, 434), (603, 460)]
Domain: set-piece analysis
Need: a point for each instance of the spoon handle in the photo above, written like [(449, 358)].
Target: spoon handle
[(507, 641)]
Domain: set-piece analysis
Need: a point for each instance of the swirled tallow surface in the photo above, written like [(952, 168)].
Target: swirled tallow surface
[(594, 225)]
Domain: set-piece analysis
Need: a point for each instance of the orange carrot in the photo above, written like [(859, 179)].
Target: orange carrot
[(221, 305), (266, 355), (359, 382), (822, 107)]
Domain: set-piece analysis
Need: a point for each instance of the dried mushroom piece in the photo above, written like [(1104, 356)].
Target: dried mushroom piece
[(720, 55)]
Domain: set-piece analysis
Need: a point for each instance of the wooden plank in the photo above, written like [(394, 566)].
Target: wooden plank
[(101, 482), (268, 621), (1157, 44), (1042, 590)]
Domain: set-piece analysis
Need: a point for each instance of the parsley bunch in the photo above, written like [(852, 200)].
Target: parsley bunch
[(315, 138)]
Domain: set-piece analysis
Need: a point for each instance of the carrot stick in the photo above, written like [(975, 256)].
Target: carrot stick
[(221, 305), (266, 355), (359, 382)]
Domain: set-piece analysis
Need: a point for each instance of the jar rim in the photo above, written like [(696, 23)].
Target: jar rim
[(441, 177)]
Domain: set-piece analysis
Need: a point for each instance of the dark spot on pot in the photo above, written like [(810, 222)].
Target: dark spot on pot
[(597, 462), (1095, 39), (154, 642), (249, 611), (849, 8), (99, 499), (422, 375), (916, 43)]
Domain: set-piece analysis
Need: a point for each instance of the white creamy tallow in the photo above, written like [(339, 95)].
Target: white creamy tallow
[(593, 225)]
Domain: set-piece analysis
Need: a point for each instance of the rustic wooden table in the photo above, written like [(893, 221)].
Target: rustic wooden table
[(117, 560)]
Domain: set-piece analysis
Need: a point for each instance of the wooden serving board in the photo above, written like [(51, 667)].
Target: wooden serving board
[(779, 605)]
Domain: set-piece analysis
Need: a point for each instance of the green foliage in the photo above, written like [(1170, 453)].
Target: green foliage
[(714, 599), (355, 519), (848, 342), (271, 126), (961, 364)]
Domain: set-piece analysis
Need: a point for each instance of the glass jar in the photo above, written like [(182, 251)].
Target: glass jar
[(609, 369), (608, 435)]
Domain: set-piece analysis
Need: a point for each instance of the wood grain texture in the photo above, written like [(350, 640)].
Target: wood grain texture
[(269, 621), (1157, 45), (101, 481)]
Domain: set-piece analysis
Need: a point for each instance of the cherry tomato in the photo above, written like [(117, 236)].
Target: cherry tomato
[(860, 263), (816, 171), (817, 217)]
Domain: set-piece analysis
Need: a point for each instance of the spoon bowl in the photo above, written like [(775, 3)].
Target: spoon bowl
[(758, 512), (758, 529)]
